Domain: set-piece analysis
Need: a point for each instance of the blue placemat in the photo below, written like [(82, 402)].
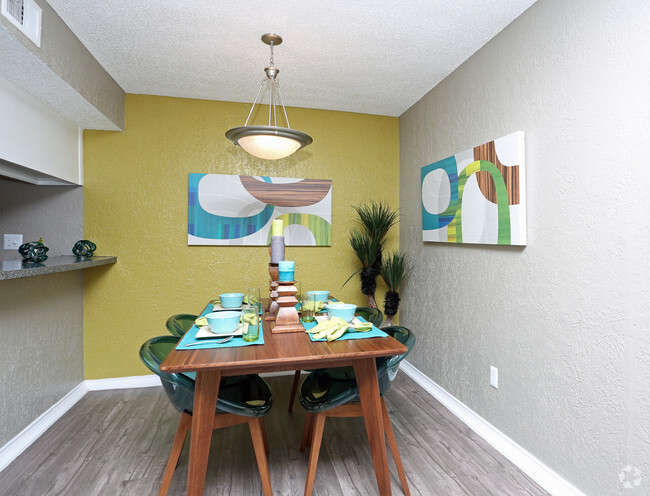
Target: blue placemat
[(372, 333), (190, 337)]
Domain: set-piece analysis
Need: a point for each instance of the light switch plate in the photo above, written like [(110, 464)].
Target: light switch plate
[(494, 377), (12, 241)]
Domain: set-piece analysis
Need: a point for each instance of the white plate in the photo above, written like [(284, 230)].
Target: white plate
[(205, 332), (216, 307)]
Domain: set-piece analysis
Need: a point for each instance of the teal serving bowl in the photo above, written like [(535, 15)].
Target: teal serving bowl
[(320, 295), (223, 322), (344, 311), (231, 300)]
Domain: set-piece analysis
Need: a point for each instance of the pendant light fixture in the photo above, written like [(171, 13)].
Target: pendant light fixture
[(269, 142)]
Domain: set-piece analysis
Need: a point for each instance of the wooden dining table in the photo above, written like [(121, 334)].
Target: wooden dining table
[(282, 352)]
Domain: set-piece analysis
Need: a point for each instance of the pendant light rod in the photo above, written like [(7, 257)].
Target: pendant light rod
[(253, 107), (286, 117)]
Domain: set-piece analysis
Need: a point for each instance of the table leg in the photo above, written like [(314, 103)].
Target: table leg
[(205, 401), (366, 373)]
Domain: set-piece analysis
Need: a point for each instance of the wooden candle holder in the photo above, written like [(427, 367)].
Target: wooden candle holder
[(287, 319)]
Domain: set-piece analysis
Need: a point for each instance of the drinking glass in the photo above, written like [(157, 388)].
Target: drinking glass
[(308, 307), (250, 316), (253, 296)]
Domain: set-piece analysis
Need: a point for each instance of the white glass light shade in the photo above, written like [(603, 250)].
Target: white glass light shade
[(269, 147), (268, 142)]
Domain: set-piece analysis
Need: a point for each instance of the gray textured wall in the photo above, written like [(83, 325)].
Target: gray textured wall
[(565, 319), (53, 212), (62, 73), (41, 318)]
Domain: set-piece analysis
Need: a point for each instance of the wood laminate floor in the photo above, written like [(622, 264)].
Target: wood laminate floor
[(117, 443)]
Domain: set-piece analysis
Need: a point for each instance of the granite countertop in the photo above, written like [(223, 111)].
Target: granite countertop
[(14, 269)]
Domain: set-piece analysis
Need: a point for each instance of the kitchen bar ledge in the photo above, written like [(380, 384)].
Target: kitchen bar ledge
[(15, 269)]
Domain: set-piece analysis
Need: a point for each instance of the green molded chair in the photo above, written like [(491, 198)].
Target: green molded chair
[(179, 324), (241, 399), (334, 393), (372, 315)]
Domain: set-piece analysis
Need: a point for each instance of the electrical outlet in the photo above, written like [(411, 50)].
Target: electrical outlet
[(12, 241), (494, 377)]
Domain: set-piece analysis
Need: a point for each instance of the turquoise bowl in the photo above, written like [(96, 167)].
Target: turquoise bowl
[(320, 295), (231, 300), (223, 322), (344, 311)]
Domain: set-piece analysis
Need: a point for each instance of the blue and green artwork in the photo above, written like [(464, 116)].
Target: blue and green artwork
[(477, 196)]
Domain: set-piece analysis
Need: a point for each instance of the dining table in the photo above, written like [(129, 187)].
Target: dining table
[(282, 352)]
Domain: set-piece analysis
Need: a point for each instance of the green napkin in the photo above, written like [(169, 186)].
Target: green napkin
[(253, 301), (250, 318), (309, 305), (319, 394), (362, 327)]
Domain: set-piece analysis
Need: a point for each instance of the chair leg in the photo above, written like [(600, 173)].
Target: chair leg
[(175, 453), (306, 432), (267, 450), (392, 443), (319, 425), (256, 428), (294, 389)]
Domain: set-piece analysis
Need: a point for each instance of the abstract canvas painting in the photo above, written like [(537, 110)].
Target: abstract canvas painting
[(477, 196), (238, 210)]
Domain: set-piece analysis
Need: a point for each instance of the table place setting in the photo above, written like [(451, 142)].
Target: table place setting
[(357, 328), (314, 302), (311, 305), (238, 324), (234, 301)]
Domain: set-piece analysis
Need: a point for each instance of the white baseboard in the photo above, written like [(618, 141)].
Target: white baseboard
[(134, 381), (284, 372), (534, 468), (140, 381), (10, 451), (33, 431)]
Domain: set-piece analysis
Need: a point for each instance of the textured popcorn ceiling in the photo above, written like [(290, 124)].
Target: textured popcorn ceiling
[(369, 56)]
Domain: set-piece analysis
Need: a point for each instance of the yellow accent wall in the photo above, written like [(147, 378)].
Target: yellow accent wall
[(135, 202)]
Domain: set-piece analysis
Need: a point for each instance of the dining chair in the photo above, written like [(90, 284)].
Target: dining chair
[(179, 324), (241, 399), (334, 393), (373, 315)]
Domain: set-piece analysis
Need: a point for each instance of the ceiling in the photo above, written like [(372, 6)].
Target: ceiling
[(368, 56)]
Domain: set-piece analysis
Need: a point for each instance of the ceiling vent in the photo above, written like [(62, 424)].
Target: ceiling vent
[(26, 16)]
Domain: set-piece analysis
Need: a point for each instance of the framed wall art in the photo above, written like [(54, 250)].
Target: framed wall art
[(477, 196), (238, 210)]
